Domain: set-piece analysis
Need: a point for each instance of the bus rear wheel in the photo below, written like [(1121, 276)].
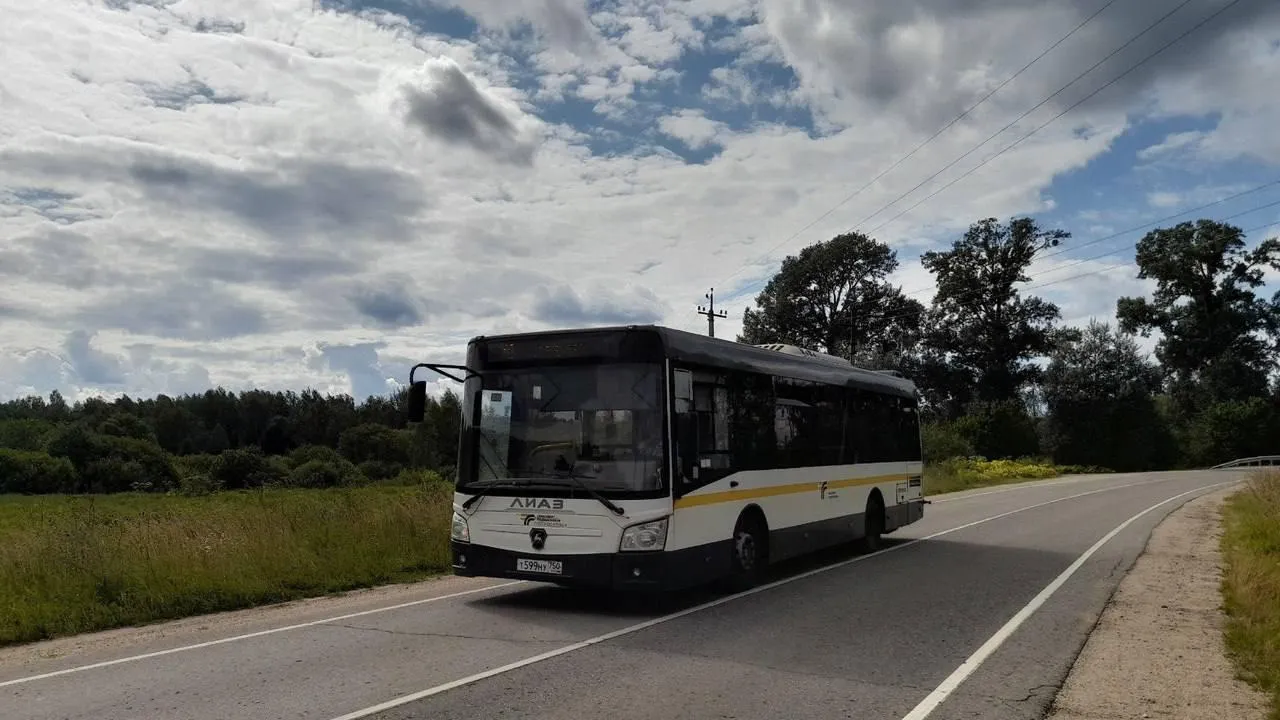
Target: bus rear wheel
[(873, 525), (750, 552)]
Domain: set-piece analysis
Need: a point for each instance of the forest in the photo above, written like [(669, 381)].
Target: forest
[(1000, 376)]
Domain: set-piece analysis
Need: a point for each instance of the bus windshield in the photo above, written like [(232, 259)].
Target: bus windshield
[(593, 425)]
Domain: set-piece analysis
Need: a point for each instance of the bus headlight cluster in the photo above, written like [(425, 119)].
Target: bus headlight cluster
[(458, 529), (645, 536)]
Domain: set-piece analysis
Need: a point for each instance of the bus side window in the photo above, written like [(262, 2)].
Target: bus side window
[(704, 433)]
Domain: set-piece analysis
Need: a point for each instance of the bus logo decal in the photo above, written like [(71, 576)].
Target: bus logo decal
[(537, 503)]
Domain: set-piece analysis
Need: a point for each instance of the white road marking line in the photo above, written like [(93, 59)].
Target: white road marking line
[(1031, 485), (422, 694), (246, 636), (974, 661)]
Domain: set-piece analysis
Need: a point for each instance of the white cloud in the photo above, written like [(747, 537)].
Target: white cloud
[(691, 127), (264, 194)]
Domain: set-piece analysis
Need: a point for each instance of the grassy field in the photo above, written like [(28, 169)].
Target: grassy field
[(1251, 582), (71, 564), (75, 564)]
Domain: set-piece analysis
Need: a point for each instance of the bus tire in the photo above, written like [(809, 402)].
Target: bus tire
[(873, 524), (750, 550)]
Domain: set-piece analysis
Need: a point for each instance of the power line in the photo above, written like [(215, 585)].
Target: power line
[(1069, 108), (976, 292), (1144, 226), (1037, 106), (1113, 252), (1122, 264), (933, 137)]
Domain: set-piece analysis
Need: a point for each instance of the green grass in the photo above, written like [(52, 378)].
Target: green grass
[(78, 564), (1251, 583), (968, 473)]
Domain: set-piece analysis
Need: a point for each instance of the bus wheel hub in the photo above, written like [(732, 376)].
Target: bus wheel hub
[(746, 546)]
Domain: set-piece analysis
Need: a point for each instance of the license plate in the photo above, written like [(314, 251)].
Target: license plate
[(547, 567)]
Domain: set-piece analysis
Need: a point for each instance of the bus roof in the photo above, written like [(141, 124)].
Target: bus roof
[(728, 354)]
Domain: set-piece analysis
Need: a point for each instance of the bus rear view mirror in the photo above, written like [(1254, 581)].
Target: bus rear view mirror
[(417, 401)]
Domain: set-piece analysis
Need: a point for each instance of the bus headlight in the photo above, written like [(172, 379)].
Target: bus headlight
[(645, 536), (458, 529)]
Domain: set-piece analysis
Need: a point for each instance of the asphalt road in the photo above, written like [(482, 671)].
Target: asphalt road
[(995, 577)]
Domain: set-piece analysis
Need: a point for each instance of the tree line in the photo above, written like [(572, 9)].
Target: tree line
[(221, 440), (999, 375)]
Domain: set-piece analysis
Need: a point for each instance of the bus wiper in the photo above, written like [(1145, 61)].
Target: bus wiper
[(577, 480), (484, 490)]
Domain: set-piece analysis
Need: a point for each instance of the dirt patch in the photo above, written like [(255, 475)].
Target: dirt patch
[(1158, 650)]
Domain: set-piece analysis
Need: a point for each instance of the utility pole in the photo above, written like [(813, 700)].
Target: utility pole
[(710, 311)]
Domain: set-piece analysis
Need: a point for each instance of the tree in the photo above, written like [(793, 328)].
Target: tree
[(1218, 339), (371, 441), (1099, 389), (979, 328), (834, 294)]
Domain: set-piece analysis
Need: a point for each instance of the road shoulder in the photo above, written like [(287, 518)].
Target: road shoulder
[(1158, 650), (47, 655)]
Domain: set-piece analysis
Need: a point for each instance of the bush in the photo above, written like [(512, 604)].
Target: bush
[(121, 424), (963, 473), (110, 463), (25, 434), (942, 442), (1232, 430), (997, 470), (323, 474), (123, 464), (119, 474), (307, 453), (239, 469), (30, 473), (194, 484), (418, 477), (1000, 429), (378, 470), (75, 443), (194, 464), (373, 442)]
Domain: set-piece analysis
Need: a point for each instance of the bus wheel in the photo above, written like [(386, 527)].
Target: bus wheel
[(873, 524), (750, 552)]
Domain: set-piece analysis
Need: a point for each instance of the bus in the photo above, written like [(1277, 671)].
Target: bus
[(648, 458)]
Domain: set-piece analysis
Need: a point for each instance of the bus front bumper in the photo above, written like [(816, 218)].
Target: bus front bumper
[(656, 571)]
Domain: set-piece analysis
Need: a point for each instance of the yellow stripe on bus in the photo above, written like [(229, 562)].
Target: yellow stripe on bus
[(752, 493)]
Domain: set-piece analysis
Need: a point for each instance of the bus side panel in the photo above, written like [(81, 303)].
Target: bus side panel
[(805, 508)]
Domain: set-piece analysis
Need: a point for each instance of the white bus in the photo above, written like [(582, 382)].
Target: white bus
[(650, 458)]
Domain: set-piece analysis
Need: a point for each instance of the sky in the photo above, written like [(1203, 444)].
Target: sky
[(284, 194)]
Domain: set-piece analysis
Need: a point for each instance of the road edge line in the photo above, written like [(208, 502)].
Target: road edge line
[(248, 636), (953, 681)]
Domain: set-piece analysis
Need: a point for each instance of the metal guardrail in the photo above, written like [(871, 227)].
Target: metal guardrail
[(1258, 461)]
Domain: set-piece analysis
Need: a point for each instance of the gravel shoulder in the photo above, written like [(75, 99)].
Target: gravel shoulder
[(1158, 650)]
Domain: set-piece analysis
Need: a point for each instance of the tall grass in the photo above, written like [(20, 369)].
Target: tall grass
[(1251, 582), (76, 564)]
